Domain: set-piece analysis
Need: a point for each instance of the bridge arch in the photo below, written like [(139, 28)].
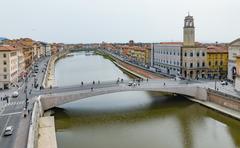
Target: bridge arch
[(53, 100)]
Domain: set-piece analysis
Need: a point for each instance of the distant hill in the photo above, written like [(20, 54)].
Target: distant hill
[(2, 38)]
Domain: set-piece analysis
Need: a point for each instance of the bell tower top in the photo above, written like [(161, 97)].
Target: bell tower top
[(189, 21)]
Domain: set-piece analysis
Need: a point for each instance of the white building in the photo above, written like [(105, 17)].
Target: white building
[(233, 52), (8, 66), (166, 57)]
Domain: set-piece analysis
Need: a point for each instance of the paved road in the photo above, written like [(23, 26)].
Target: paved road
[(11, 113)]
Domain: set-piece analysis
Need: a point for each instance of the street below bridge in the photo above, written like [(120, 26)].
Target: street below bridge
[(12, 112)]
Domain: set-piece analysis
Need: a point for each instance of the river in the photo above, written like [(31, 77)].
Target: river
[(133, 119)]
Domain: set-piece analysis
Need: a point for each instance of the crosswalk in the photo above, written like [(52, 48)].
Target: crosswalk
[(14, 103)]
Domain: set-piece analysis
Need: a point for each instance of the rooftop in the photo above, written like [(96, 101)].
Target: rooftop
[(217, 49), (7, 48)]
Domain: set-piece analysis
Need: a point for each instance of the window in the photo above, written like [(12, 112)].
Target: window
[(203, 64), (5, 76), (216, 63), (198, 54), (209, 63), (191, 65), (198, 64), (185, 64), (4, 55), (4, 62), (221, 63), (203, 54), (191, 54), (4, 69), (185, 54)]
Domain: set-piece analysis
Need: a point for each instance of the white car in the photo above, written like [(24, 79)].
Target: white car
[(8, 131), (15, 94)]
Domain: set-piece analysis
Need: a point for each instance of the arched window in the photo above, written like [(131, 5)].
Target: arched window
[(191, 54)]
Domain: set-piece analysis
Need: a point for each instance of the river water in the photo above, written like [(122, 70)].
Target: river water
[(134, 119)]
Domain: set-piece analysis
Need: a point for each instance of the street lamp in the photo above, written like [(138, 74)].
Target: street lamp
[(25, 91)]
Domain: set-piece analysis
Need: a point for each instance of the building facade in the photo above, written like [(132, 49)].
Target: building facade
[(217, 60), (166, 57), (233, 52), (8, 66), (194, 55), (237, 79)]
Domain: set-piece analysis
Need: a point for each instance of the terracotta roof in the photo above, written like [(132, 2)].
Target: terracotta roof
[(7, 48), (219, 49), (237, 40)]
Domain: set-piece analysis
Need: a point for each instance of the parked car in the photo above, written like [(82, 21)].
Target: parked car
[(131, 84), (15, 94), (224, 83), (8, 131)]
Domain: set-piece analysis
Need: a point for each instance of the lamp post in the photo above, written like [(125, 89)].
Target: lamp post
[(25, 91)]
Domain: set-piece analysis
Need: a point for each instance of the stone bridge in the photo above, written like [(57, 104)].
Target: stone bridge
[(60, 95)]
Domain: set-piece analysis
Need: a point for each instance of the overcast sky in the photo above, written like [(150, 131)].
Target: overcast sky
[(84, 21)]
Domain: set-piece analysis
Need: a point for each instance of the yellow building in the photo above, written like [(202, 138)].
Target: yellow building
[(139, 55), (217, 60)]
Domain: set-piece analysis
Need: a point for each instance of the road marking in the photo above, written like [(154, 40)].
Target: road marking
[(14, 103), (5, 125), (10, 114)]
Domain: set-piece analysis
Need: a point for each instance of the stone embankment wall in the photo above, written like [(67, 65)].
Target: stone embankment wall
[(49, 75), (34, 124), (225, 100), (42, 132)]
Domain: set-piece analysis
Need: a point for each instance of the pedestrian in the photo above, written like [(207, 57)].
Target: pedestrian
[(147, 79), (121, 80), (82, 83), (164, 84), (91, 88), (1, 98), (93, 82)]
